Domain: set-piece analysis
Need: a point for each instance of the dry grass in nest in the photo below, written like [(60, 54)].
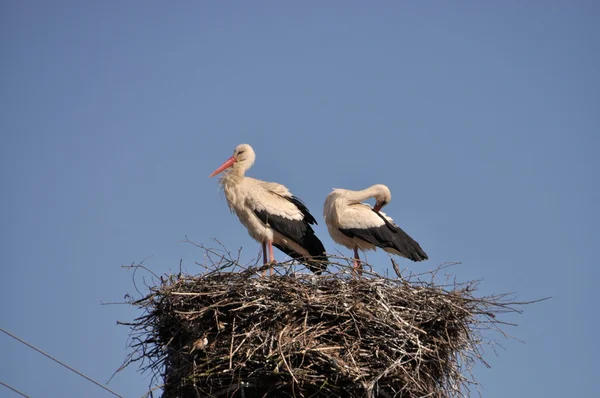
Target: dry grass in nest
[(230, 333)]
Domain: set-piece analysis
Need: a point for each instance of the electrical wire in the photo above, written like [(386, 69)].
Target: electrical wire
[(14, 389), (61, 363)]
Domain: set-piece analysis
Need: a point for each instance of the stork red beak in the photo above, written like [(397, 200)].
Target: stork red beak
[(377, 207), (228, 163)]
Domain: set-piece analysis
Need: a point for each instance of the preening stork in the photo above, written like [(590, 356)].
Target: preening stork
[(356, 225), (272, 215)]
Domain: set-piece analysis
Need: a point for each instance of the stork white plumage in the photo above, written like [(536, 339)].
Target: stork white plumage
[(356, 225), (272, 215)]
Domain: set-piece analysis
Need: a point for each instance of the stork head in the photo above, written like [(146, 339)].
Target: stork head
[(241, 160), (382, 196)]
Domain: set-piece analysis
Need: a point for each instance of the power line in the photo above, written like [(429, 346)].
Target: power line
[(14, 389), (61, 363)]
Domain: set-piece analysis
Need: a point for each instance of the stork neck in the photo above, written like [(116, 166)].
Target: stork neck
[(232, 177), (361, 196)]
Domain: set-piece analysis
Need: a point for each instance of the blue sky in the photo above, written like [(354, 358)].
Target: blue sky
[(483, 118)]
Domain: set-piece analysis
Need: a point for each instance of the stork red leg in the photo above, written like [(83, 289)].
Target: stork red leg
[(357, 264), (264, 248), (271, 256)]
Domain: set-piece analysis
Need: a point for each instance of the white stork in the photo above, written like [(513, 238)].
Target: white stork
[(272, 215), (356, 225)]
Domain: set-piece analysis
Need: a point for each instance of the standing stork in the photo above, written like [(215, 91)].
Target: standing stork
[(272, 215), (356, 225)]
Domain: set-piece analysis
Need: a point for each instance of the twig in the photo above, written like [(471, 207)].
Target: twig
[(309, 335)]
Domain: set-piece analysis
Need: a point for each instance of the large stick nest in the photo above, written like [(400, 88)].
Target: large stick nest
[(232, 333)]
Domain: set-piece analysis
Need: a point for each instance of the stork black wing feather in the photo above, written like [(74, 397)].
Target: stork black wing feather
[(303, 209), (390, 236), (301, 233)]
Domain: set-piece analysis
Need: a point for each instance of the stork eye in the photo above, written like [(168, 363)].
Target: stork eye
[(240, 152)]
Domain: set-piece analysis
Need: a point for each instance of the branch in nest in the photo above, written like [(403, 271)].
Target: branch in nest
[(226, 333)]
